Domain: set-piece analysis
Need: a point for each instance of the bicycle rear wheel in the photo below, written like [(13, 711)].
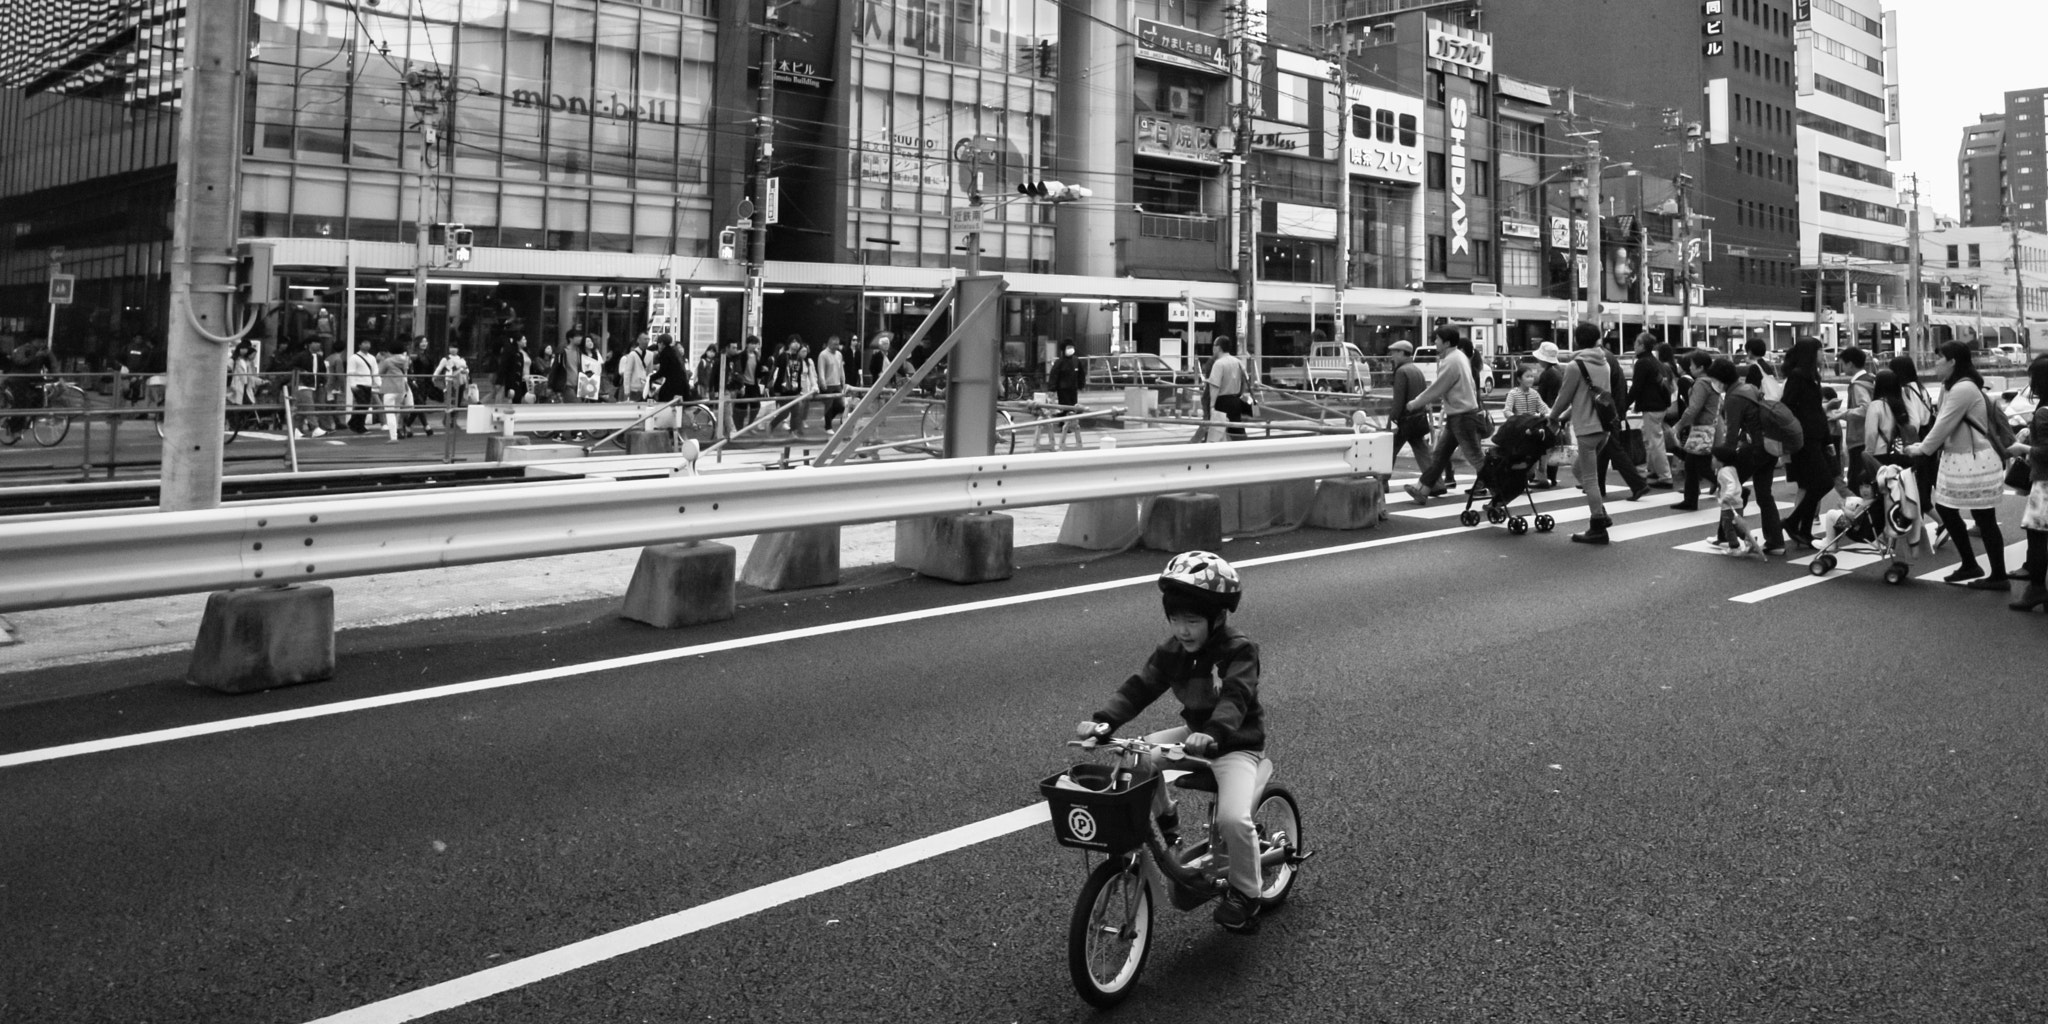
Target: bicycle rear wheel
[(1111, 932), (1277, 820), (49, 427)]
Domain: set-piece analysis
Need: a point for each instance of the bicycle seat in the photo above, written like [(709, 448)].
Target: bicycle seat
[(1197, 780)]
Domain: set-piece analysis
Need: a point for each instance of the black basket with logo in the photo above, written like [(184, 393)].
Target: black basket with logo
[(1096, 816)]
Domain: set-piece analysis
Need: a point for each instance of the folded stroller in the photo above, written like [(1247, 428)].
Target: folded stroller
[(1888, 525), (1517, 444)]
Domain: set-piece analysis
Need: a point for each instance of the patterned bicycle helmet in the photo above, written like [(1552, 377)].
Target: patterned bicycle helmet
[(1199, 581)]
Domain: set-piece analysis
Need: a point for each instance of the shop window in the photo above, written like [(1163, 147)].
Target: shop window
[(1164, 193), (1520, 268)]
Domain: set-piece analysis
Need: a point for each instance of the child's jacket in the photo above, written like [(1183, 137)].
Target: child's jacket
[(1218, 687)]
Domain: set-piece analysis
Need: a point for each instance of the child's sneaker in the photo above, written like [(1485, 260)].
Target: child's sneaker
[(1237, 912), (1169, 827)]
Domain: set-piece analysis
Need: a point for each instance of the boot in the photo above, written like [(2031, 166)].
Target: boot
[(1596, 531), (2035, 596)]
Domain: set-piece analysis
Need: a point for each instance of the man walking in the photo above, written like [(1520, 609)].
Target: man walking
[(1228, 383), (1410, 428), (362, 386), (832, 380)]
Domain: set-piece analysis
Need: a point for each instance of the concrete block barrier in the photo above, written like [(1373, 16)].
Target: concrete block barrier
[(538, 451), (252, 640), (1257, 507), (970, 547), (1349, 503), (793, 559), (1184, 522), (649, 442), (1103, 524), (677, 585), (495, 445)]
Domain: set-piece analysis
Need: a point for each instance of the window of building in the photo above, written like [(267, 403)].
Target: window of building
[(1482, 178), (1433, 171), (1382, 255), (1482, 254), (1976, 255), (1521, 268), (1439, 254), (1952, 251), (1167, 193)]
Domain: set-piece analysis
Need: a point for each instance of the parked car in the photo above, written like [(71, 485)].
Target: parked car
[(2011, 353), (1137, 369)]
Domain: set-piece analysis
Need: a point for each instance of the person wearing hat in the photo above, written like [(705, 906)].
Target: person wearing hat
[(1548, 383), (1410, 428)]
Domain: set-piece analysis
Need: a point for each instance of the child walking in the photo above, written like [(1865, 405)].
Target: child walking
[(1523, 399)]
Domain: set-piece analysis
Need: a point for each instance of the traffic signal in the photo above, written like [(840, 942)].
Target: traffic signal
[(729, 244), (1054, 191), (461, 244), (255, 272)]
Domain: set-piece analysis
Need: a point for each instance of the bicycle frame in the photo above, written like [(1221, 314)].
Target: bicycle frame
[(1196, 874)]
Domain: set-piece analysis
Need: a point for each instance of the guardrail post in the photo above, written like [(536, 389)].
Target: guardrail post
[(970, 547), (1349, 503), (793, 559)]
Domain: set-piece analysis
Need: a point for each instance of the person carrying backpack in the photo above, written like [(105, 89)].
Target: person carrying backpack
[(1742, 446), (1972, 473), (1589, 409)]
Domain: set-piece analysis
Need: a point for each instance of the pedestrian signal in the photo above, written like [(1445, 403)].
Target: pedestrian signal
[(461, 244), (729, 244)]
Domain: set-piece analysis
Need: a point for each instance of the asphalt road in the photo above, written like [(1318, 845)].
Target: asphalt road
[(1547, 783)]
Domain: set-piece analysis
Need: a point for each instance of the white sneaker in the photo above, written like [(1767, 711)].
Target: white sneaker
[(317, 432)]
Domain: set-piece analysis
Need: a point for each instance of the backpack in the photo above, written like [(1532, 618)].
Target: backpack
[(1781, 430), (2000, 433), (1602, 402)]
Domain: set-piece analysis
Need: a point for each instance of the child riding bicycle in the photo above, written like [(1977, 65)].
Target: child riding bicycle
[(1213, 668)]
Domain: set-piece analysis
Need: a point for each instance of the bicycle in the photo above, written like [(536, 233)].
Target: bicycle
[(50, 420), (1102, 809), (931, 426)]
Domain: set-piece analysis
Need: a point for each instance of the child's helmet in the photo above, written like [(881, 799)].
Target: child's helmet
[(1200, 582)]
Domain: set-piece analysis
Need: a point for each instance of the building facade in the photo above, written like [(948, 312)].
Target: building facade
[(2002, 166)]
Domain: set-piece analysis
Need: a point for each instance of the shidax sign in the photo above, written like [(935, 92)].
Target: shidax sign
[(1461, 215)]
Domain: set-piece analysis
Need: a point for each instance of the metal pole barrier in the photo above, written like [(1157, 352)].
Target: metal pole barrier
[(291, 426), (85, 448)]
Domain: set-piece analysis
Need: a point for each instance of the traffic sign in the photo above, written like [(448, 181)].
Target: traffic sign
[(967, 215), (62, 287)]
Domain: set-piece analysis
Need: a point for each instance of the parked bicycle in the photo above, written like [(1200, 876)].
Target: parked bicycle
[(49, 420), (1100, 808)]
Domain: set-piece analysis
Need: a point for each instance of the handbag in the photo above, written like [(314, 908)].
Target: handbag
[(2018, 476), (1699, 440), (1486, 423)]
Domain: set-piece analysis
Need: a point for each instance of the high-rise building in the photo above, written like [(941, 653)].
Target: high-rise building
[(2002, 167), (1852, 232)]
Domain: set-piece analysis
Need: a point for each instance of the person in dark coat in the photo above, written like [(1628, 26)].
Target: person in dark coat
[(1813, 467), (670, 371), (1068, 376)]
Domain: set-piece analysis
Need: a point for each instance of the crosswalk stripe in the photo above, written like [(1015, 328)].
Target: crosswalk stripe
[(2014, 555), (1846, 562), (1705, 517), (1450, 506)]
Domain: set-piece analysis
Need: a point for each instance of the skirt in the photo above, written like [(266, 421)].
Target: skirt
[(2036, 515), (1969, 480)]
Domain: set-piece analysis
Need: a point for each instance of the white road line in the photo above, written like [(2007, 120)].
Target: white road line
[(1705, 517), (1846, 562), (2014, 555), (577, 955), (651, 657), (1546, 501)]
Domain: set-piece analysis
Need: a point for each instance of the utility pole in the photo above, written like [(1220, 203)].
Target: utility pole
[(1917, 327), (771, 29), (1688, 260), (207, 213), (426, 103), (1339, 332), (1593, 228), (1247, 195), (2019, 284)]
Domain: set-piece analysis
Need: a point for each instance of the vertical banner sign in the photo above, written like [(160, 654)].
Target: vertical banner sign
[(703, 327), (774, 204)]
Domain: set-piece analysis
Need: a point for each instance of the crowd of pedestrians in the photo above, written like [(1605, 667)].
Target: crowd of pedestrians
[(1728, 427)]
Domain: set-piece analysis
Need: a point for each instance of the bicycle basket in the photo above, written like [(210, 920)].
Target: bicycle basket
[(1088, 815)]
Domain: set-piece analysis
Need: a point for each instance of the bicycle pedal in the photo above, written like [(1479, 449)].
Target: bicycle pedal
[(1298, 857)]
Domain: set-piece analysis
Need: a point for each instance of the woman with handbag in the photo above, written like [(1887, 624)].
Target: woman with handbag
[(1813, 468), (1741, 445), (1695, 429), (2033, 449), (1972, 471)]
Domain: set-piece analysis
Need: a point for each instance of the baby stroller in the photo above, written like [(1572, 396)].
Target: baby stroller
[(1518, 443), (1887, 525)]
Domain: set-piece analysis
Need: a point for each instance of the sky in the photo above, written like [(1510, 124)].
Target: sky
[(1957, 59)]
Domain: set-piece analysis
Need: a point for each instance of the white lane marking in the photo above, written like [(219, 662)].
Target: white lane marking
[(628, 661), (1557, 502), (469, 988), (2014, 554), (1705, 517), (1846, 562)]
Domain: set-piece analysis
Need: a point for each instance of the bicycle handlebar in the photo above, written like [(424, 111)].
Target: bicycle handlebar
[(1135, 745)]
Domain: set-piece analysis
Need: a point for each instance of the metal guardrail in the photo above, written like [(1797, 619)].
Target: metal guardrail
[(149, 554)]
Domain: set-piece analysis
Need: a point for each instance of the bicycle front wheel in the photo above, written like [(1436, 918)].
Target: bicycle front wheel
[(49, 428), (1277, 820), (1111, 932)]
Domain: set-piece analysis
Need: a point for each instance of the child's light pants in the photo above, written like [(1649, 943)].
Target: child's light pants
[(1240, 775)]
